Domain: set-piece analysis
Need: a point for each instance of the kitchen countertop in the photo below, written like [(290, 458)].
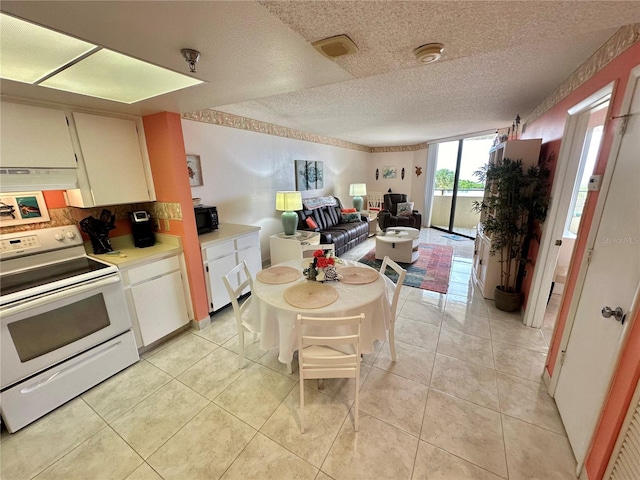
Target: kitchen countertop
[(165, 246), (224, 232)]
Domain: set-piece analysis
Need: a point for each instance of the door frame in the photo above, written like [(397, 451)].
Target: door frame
[(634, 77), (565, 174)]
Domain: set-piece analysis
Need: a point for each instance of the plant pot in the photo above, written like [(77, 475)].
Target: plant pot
[(507, 302)]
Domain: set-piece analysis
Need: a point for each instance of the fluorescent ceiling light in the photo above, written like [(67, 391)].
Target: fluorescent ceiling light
[(114, 76), (37, 55), (29, 52)]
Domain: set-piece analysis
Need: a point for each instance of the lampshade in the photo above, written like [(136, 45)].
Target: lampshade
[(288, 201), (357, 189)]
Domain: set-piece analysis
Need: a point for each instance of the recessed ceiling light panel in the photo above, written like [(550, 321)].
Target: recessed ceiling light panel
[(113, 76), (30, 52), (37, 55), (429, 53)]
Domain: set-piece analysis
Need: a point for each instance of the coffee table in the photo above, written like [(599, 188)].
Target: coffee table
[(399, 244)]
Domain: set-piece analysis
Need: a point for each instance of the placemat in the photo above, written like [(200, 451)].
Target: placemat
[(277, 275), (357, 275), (310, 295)]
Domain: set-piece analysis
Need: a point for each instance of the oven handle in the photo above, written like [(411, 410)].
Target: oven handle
[(52, 297)]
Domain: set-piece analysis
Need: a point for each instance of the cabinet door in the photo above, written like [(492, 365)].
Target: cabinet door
[(35, 137), (218, 296), (112, 158), (160, 307)]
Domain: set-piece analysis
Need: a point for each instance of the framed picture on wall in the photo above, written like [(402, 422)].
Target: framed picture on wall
[(22, 208), (309, 175), (195, 170), (389, 172)]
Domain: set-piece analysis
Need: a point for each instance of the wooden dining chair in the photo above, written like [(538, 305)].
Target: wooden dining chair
[(394, 290), (318, 359), (237, 281), (307, 250)]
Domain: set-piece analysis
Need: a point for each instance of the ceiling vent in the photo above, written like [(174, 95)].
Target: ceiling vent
[(337, 46), (429, 53)]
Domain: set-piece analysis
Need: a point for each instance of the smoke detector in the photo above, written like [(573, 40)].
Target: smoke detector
[(337, 46), (429, 53)]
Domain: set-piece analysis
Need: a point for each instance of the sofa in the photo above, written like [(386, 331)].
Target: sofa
[(345, 231), (388, 216)]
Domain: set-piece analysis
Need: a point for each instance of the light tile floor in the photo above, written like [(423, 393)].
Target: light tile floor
[(463, 401)]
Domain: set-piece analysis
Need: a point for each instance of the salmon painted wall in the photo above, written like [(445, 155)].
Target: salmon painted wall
[(168, 166), (550, 127)]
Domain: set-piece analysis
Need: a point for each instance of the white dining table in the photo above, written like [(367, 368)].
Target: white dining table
[(272, 316)]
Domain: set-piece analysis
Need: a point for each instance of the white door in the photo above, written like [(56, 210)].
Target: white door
[(611, 279)]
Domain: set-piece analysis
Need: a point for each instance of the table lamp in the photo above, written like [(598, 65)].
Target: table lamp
[(356, 190), (286, 202)]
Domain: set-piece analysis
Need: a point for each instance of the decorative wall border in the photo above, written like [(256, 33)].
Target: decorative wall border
[(215, 117), (618, 43), (400, 148)]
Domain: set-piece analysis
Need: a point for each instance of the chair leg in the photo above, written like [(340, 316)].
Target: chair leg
[(241, 348), (357, 401), (289, 368), (392, 341), (301, 404)]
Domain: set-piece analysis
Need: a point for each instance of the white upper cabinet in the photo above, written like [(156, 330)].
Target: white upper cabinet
[(35, 137), (114, 167)]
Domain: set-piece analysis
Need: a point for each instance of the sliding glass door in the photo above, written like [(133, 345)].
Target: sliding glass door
[(456, 187)]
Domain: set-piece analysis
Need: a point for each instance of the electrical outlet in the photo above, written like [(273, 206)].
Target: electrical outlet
[(157, 224), (166, 224)]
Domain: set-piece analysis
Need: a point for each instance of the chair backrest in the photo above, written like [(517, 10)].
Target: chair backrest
[(237, 281), (391, 201), (387, 262), (375, 201), (328, 332), (307, 250)]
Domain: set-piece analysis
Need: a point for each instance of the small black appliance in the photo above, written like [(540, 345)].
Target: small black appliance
[(142, 229), (206, 219)]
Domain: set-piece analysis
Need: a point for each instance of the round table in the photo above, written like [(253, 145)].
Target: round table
[(271, 315)]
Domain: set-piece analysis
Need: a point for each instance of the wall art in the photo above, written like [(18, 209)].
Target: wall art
[(22, 208), (389, 172), (195, 170), (309, 175)]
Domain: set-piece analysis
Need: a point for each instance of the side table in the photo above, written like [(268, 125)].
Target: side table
[(288, 247), (372, 217)]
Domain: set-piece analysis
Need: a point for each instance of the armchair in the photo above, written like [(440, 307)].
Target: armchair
[(389, 217)]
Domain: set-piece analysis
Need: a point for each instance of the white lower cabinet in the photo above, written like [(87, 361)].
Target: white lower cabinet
[(157, 300), (224, 249)]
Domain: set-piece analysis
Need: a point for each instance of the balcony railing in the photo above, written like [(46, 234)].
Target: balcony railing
[(465, 217)]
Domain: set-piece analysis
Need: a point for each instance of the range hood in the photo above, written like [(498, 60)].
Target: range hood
[(29, 179), (36, 151)]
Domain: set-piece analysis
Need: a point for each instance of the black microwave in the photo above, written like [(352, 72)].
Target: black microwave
[(206, 219)]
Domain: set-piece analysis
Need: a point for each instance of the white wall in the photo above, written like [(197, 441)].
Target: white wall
[(412, 184), (242, 170)]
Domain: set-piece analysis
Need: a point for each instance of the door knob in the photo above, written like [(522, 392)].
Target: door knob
[(618, 314)]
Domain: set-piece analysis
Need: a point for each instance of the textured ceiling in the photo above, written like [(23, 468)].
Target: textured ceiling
[(501, 59)]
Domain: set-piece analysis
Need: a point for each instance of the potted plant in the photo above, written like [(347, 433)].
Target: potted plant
[(515, 199)]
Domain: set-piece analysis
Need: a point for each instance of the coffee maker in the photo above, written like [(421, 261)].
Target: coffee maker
[(142, 230)]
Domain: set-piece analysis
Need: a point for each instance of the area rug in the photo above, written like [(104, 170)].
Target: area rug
[(430, 272)]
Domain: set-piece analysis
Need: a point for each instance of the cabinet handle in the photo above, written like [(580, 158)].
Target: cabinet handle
[(480, 262)]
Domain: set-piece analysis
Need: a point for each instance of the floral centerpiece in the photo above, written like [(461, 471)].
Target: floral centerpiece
[(322, 268)]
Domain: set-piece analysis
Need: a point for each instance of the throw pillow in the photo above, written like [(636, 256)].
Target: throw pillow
[(405, 209), (311, 223), (350, 217), (348, 210)]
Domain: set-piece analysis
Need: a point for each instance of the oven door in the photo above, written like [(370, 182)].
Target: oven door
[(40, 332)]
